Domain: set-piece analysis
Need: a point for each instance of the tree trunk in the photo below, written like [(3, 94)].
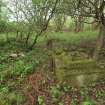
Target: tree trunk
[(51, 57), (79, 25), (17, 34), (100, 42), (27, 38), (45, 25), (35, 41)]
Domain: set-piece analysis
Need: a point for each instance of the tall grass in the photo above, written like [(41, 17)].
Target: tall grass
[(73, 38), (68, 37)]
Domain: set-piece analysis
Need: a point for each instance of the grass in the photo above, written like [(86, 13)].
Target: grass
[(69, 37), (74, 38), (23, 66), (66, 37), (13, 72)]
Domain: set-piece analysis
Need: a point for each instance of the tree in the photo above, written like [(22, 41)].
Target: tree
[(88, 9), (95, 9), (38, 14), (59, 20), (15, 14), (3, 20), (69, 8)]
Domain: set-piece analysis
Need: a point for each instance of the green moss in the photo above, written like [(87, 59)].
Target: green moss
[(84, 68), (60, 74), (82, 64)]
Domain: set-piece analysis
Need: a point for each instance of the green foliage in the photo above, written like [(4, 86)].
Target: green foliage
[(3, 26), (55, 91), (87, 103), (41, 100), (21, 69), (73, 38), (13, 70), (61, 103), (66, 88), (9, 99), (59, 20), (37, 2), (2, 67)]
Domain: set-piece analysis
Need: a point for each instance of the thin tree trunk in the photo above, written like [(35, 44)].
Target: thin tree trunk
[(17, 34), (79, 25), (51, 57), (44, 26), (100, 42), (35, 40), (27, 38)]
